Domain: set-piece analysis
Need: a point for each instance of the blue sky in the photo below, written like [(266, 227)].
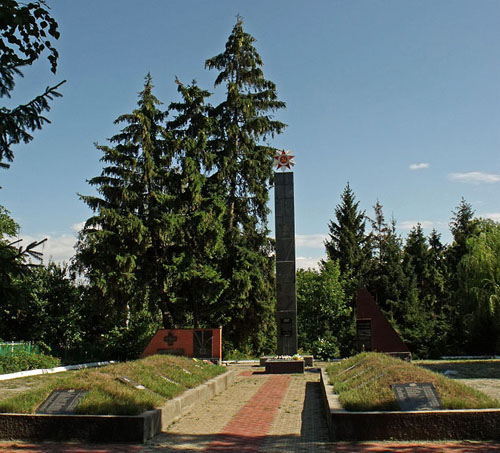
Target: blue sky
[(400, 98)]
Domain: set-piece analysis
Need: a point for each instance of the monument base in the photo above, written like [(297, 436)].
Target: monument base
[(281, 366), (308, 360)]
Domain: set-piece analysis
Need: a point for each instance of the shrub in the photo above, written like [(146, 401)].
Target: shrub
[(23, 361)]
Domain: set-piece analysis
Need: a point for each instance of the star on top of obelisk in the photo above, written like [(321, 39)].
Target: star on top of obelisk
[(283, 160)]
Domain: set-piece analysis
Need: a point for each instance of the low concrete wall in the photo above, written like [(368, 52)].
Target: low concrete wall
[(110, 428), (482, 424)]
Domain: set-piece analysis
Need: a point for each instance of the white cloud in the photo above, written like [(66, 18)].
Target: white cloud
[(308, 262), (57, 248), (475, 177), (409, 224), (492, 215), (310, 240), (77, 227), (419, 166)]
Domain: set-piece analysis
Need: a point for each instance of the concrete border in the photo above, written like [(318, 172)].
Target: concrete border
[(111, 428), (471, 424), (58, 369)]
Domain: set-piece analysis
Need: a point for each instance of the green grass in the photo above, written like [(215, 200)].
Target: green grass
[(107, 395), (465, 369), (363, 383)]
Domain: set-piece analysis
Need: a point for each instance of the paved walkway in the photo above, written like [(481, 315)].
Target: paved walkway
[(260, 412)]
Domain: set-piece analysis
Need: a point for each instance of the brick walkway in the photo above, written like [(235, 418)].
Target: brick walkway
[(260, 412)]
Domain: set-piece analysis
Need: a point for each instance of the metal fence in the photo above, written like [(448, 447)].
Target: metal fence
[(11, 348)]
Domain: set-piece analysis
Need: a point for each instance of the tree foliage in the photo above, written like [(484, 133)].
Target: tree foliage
[(479, 277), (243, 172), (26, 32), (347, 242), (324, 314)]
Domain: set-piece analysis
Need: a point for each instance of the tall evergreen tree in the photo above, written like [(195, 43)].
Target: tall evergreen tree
[(462, 227), (199, 206), (438, 272), (244, 174), (122, 248), (386, 280), (416, 258), (347, 242)]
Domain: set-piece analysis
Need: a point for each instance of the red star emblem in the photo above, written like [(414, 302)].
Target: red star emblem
[(283, 160)]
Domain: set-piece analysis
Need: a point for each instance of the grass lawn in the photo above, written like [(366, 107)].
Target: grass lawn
[(465, 369), (363, 383), (163, 376)]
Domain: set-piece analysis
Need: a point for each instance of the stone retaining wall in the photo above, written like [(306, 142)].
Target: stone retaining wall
[(481, 424), (110, 428)]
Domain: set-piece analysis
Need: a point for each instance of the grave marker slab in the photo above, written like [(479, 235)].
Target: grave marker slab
[(417, 397), (61, 402)]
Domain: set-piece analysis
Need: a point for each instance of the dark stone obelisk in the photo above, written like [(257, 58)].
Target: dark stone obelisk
[(285, 264)]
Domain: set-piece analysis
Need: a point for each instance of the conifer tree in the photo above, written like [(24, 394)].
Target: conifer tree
[(386, 280), (199, 208), (122, 248), (26, 32), (462, 227), (347, 242), (244, 174), (416, 257)]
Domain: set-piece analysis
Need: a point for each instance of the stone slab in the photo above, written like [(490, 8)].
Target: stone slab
[(417, 396), (61, 402)]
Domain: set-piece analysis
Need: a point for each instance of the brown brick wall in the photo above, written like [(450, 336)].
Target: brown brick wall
[(183, 341), (384, 338)]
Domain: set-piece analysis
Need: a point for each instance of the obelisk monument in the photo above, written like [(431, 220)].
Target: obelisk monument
[(286, 296)]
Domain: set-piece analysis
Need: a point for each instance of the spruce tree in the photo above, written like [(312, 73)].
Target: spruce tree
[(462, 227), (199, 208), (26, 32), (243, 173), (347, 242), (386, 279), (123, 246)]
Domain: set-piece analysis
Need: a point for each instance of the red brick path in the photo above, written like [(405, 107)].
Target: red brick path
[(247, 429)]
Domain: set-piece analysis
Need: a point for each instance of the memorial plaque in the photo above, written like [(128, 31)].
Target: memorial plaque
[(417, 397), (61, 402)]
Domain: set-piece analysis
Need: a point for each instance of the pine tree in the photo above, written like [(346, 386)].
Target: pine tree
[(244, 175), (386, 279), (123, 246), (348, 243), (462, 227), (438, 272), (199, 207), (416, 257)]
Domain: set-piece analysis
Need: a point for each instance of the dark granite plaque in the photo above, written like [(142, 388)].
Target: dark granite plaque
[(61, 402), (417, 397)]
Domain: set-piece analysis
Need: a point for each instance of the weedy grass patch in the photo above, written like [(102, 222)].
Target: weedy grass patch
[(162, 377), (363, 383)]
